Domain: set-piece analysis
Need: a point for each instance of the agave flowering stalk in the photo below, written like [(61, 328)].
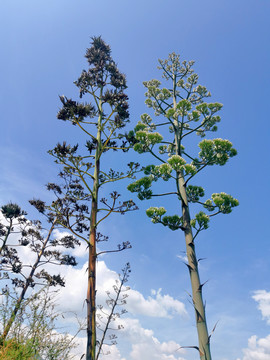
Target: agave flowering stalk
[(181, 112), (101, 122)]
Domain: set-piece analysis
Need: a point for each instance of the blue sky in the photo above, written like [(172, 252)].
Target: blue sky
[(43, 45)]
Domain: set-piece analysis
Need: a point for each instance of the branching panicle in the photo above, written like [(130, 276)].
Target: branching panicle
[(181, 110), (108, 314), (100, 122)]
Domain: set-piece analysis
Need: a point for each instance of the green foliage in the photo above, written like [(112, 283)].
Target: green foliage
[(12, 349), (34, 333), (162, 171), (148, 138)]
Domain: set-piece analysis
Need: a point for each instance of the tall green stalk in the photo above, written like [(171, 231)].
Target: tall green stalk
[(203, 336), (184, 113)]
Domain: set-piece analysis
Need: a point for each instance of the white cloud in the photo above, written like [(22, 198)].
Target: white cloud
[(111, 352), (142, 343), (157, 305), (263, 299), (145, 343), (258, 349), (139, 342)]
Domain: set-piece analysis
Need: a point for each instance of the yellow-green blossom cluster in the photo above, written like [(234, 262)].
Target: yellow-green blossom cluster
[(176, 162), (201, 221), (160, 171), (146, 123), (164, 171), (194, 193), (208, 109), (155, 213), (183, 107), (224, 202), (179, 164), (140, 126), (173, 222), (142, 187), (216, 151), (146, 139)]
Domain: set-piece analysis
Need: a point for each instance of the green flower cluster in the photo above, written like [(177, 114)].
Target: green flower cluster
[(146, 139), (193, 116), (153, 91), (142, 187), (183, 107), (156, 214), (208, 109), (162, 171), (201, 221), (179, 164), (140, 126), (173, 222), (194, 193), (222, 201), (216, 151)]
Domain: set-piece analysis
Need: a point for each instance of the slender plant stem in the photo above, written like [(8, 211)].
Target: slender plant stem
[(204, 346)]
